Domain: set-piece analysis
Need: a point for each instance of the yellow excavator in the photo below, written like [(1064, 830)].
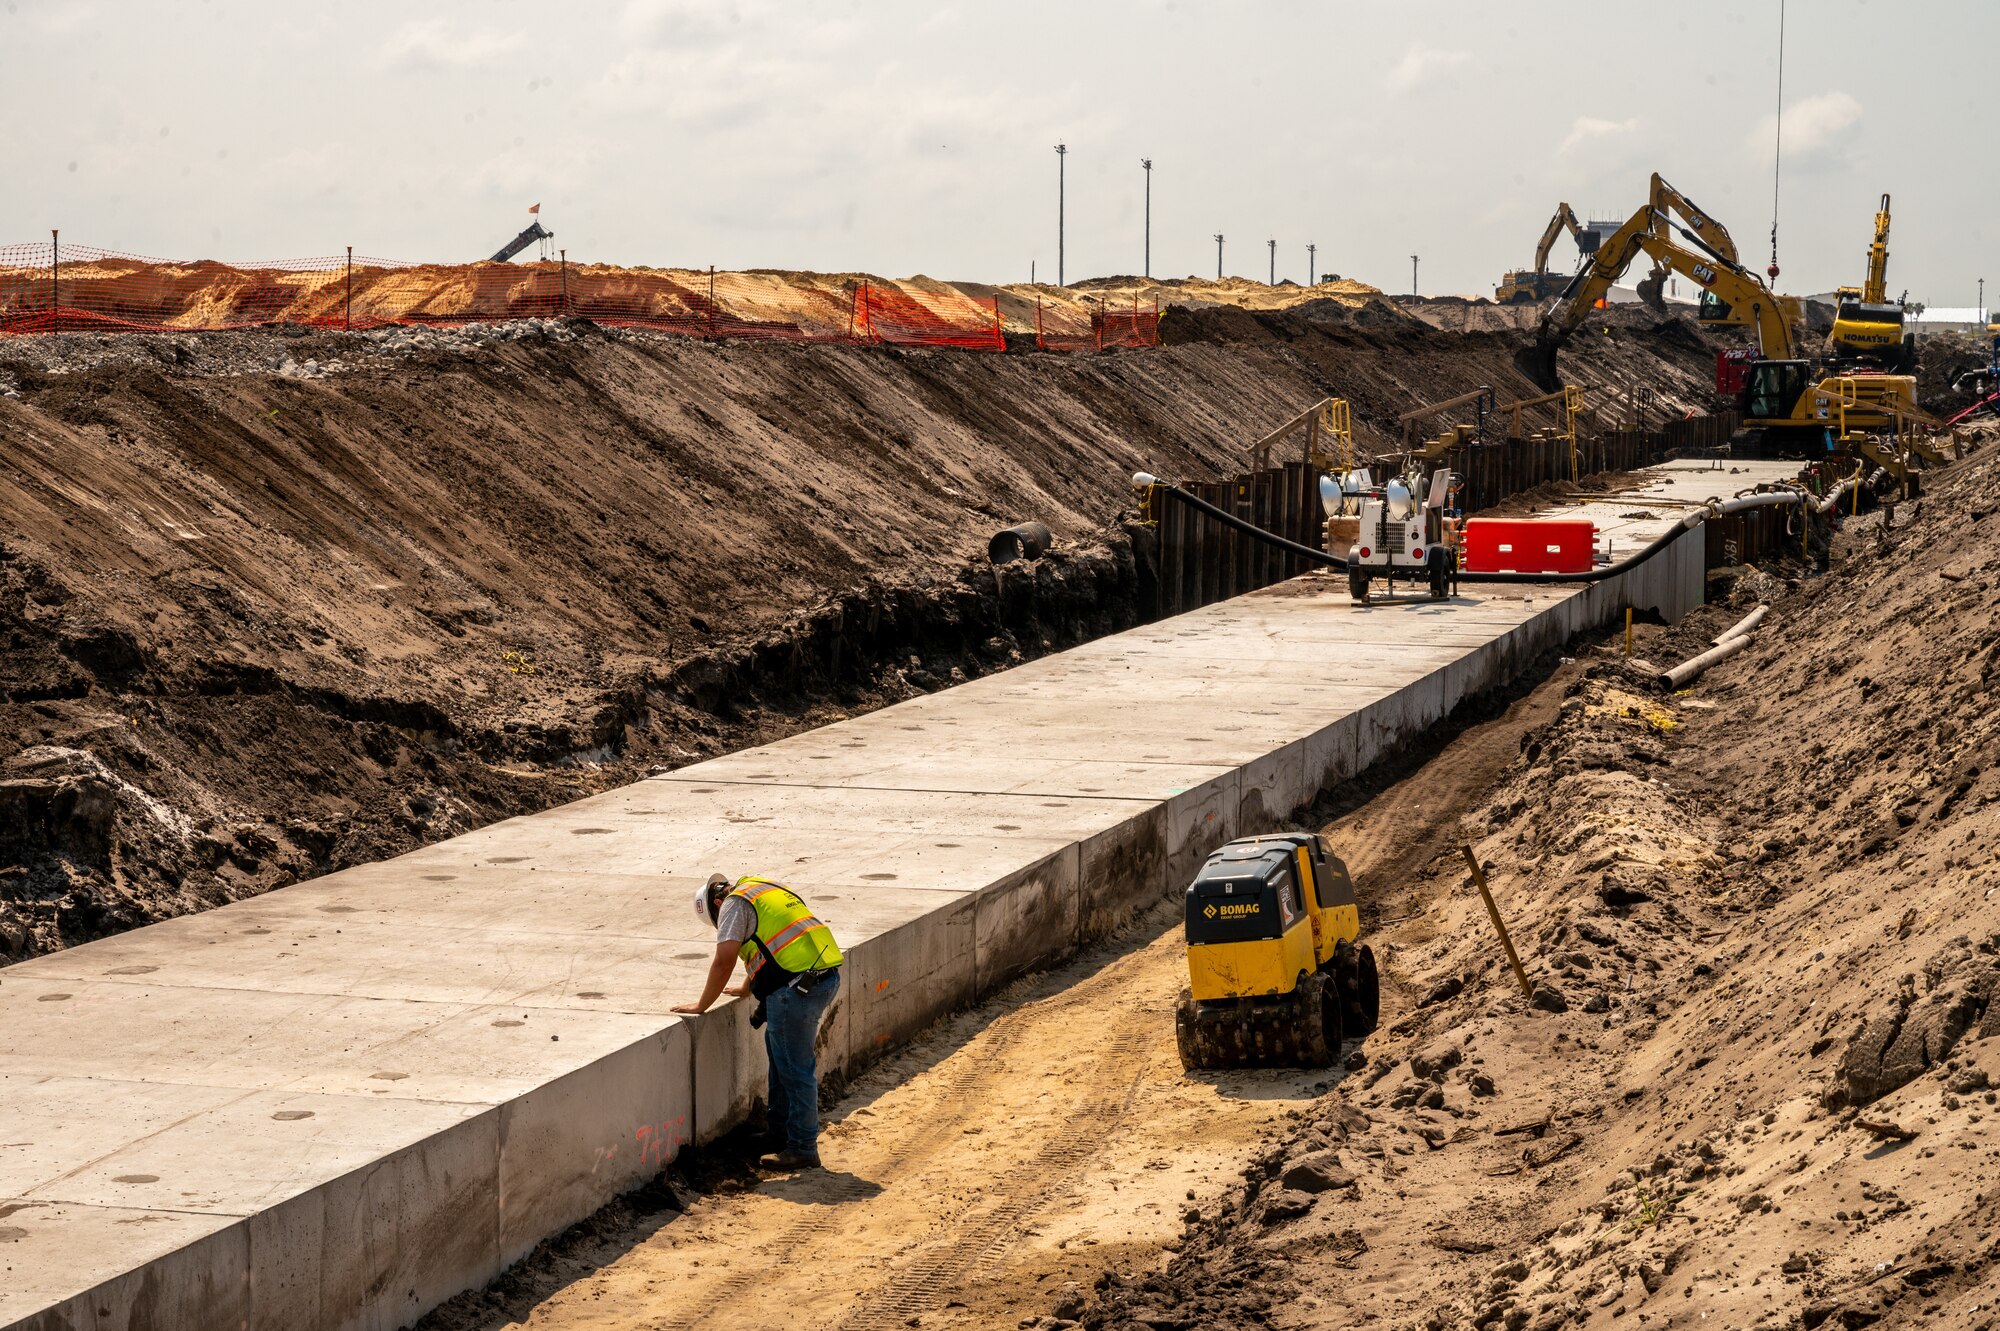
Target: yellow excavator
[(1527, 285), (1789, 405), (1867, 325), (1666, 203)]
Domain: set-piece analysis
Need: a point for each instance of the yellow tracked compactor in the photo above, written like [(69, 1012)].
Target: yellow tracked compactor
[(1277, 975)]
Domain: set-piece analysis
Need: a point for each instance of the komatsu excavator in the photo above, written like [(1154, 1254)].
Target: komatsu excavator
[(1789, 404), (1867, 325)]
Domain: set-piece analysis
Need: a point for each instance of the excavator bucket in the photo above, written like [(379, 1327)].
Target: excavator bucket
[(1537, 360)]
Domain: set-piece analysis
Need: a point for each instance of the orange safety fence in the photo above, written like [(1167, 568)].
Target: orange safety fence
[(1110, 326), (49, 289)]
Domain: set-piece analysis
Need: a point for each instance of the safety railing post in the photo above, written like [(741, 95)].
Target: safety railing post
[(711, 300), (563, 298), (347, 303), (55, 280)]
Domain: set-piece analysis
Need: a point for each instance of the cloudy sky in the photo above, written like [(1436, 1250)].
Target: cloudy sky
[(902, 137)]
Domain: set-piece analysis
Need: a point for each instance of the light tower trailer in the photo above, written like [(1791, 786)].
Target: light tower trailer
[(1392, 533)]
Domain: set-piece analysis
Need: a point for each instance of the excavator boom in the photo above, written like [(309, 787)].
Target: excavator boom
[(1709, 233), (1563, 218), (1525, 285), (533, 232), (1875, 291), (1649, 232)]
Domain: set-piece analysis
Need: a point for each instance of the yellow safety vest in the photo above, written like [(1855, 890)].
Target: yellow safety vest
[(799, 942)]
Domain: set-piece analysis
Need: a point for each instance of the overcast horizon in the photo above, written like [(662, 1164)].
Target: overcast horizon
[(901, 138)]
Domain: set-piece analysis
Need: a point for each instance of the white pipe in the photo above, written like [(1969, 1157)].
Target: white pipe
[(1681, 674), (1747, 624), (1733, 640)]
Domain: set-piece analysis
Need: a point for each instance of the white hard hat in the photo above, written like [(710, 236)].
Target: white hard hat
[(702, 909)]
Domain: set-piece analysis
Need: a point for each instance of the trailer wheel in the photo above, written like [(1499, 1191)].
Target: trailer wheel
[(1357, 586)]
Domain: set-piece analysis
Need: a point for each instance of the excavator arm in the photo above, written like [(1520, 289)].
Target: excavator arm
[(1664, 199), (533, 232), (1875, 291), (1563, 218), (1750, 301)]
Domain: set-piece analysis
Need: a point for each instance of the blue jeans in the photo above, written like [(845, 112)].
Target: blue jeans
[(791, 1028)]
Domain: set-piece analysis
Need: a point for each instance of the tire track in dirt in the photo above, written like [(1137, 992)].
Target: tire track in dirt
[(968, 1076), (927, 1281)]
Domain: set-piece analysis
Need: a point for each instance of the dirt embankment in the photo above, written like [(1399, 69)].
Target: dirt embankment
[(1758, 1082), (280, 604)]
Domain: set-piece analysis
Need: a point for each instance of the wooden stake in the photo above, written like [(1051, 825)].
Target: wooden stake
[(1628, 632), (1493, 911)]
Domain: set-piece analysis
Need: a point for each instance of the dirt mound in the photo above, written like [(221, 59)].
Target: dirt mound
[(1754, 1085), (1941, 359), (278, 602)]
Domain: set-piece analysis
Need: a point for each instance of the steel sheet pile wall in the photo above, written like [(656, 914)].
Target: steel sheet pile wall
[(1197, 561)]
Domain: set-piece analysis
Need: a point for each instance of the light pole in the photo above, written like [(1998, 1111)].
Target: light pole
[(1982, 297), (1147, 164), (1062, 156), (1274, 262), (1218, 256), (1311, 251), (1413, 274)]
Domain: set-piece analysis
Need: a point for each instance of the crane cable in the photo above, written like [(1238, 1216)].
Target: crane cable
[(1778, 147)]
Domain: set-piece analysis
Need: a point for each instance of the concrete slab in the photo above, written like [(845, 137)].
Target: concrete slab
[(339, 1103)]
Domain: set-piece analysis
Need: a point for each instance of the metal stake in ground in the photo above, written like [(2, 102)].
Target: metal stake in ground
[(347, 301), (55, 280), (1493, 912)]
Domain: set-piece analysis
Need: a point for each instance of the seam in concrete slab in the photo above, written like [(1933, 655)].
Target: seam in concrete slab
[(1218, 770)]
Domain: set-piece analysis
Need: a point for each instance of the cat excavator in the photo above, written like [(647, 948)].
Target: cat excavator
[(1789, 403), (1665, 203)]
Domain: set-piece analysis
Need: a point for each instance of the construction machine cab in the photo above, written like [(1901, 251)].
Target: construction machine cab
[(1772, 388), (1246, 898)]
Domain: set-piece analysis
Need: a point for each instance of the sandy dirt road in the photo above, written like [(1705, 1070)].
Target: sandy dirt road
[(994, 1170)]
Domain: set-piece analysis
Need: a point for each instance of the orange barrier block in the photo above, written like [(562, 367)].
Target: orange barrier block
[(1514, 545)]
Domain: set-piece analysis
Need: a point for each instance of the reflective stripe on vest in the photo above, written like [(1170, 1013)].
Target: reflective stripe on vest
[(799, 941)]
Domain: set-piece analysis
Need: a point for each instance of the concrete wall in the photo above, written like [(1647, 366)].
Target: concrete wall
[(1036, 811)]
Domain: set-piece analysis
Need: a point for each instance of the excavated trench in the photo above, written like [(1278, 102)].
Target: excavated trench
[(67, 815), (266, 620)]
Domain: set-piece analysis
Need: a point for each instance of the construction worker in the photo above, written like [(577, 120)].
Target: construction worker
[(793, 972)]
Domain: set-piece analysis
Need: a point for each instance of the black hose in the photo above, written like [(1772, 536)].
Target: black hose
[(1255, 532)]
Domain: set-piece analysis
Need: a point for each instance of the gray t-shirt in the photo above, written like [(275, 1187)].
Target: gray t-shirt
[(736, 921)]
